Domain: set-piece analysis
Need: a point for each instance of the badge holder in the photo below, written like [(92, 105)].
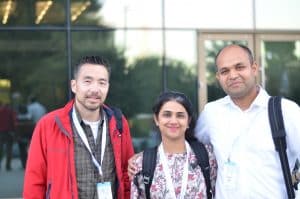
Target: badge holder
[(104, 190), (230, 175)]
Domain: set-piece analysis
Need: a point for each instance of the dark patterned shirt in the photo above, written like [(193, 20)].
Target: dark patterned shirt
[(87, 174)]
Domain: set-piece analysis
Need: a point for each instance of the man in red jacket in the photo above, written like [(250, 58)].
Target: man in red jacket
[(77, 151)]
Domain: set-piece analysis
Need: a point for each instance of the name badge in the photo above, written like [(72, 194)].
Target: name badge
[(230, 175), (104, 190)]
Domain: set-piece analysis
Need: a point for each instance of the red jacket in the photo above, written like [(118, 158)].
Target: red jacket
[(50, 170)]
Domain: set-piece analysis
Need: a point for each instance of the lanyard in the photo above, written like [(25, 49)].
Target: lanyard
[(86, 143), (167, 172)]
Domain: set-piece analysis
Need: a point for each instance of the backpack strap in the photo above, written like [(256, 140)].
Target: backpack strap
[(203, 161), (279, 134), (149, 163), (118, 115)]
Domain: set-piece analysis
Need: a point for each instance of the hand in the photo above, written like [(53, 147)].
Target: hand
[(132, 170)]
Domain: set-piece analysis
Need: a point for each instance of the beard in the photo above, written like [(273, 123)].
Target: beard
[(243, 91), (90, 105)]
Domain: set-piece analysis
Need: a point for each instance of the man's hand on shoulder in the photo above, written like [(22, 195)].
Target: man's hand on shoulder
[(132, 168)]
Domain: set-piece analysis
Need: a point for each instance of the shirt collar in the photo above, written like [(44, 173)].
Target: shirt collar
[(261, 100), (81, 120)]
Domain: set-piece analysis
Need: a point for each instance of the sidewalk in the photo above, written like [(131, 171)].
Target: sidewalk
[(11, 182)]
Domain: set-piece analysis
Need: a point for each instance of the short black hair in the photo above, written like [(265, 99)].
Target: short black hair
[(98, 60), (33, 98), (243, 47), (182, 99)]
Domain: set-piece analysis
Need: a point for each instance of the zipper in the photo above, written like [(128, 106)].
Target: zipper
[(48, 191)]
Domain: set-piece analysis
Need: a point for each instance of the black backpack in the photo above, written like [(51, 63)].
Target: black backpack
[(118, 115), (149, 163)]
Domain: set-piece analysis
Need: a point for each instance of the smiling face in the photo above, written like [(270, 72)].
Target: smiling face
[(236, 73), (172, 121), (90, 87)]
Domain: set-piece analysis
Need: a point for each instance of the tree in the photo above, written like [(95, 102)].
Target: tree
[(282, 69)]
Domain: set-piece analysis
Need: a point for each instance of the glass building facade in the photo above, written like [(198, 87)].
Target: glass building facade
[(151, 46)]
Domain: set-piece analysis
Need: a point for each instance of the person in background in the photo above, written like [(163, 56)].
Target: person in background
[(77, 151), (7, 127), (175, 175), (36, 109), (238, 128), (24, 130)]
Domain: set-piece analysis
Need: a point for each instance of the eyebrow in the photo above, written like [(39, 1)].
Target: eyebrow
[(87, 78), (103, 79), (169, 111), (237, 64), (90, 77)]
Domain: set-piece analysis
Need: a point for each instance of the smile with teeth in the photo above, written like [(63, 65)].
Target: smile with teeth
[(173, 128)]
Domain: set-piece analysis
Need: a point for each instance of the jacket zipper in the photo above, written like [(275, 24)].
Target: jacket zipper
[(48, 190)]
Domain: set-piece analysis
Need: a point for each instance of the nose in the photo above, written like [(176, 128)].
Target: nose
[(233, 74), (173, 119), (94, 87)]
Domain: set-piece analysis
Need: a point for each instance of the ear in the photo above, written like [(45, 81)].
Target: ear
[(254, 68), (190, 119), (73, 85), (155, 120), (188, 124), (217, 76)]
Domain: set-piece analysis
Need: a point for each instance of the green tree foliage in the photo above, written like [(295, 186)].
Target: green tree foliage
[(181, 78), (35, 64), (144, 80)]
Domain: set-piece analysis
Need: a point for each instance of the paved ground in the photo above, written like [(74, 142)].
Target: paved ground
[(11, 182)]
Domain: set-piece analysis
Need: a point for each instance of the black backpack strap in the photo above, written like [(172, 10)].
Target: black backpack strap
[(279, 134), (203, 161), (118, 115), (149, 163)]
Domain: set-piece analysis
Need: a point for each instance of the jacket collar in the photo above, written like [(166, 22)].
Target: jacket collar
[(64, 117)]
